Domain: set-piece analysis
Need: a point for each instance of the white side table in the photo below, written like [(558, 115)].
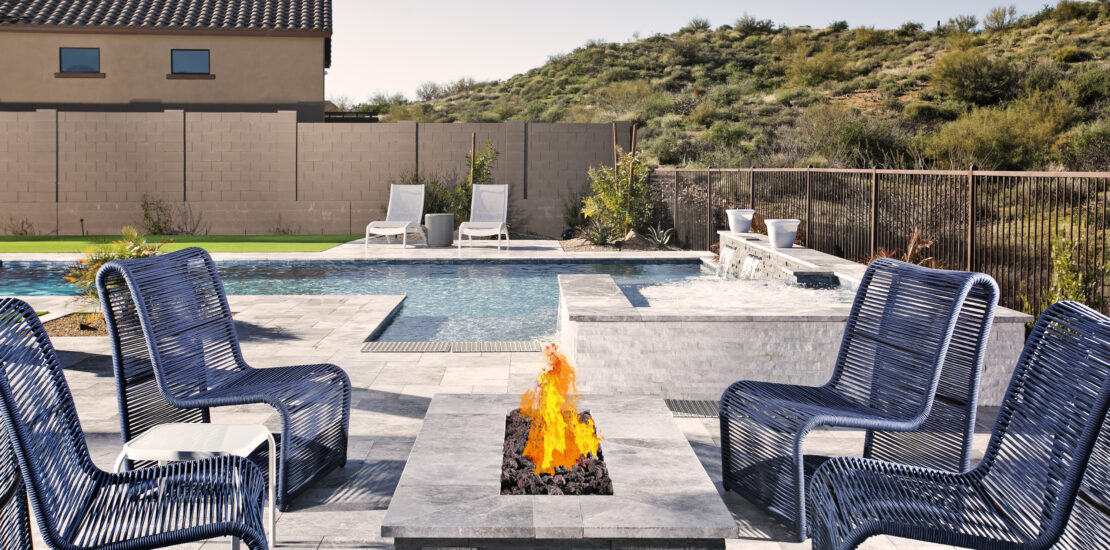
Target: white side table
[(177, 442)]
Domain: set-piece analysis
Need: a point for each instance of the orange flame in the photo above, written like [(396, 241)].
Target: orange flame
[(557, 437)]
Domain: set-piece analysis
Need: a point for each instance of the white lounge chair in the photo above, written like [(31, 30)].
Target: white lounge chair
[(406, 206), (489, 211)]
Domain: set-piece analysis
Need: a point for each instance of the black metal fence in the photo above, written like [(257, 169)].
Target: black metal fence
[(1009, 232)]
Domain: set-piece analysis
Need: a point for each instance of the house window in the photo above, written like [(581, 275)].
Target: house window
[(79, 60), (189, 62)]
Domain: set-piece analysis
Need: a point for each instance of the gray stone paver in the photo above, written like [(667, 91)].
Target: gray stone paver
[(391, 395)]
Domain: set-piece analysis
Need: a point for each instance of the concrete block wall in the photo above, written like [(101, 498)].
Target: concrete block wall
[(257, 173), (557, 154), (108, 161), (28, 170)]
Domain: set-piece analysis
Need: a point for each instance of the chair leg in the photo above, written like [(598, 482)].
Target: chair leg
[(235, 543), (507, 242), (366, 241), (405, 239)]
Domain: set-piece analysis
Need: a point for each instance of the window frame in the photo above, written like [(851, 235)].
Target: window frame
[(61, 68), (173, 72)]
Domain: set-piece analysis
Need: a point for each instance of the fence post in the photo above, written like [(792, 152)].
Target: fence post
[(675, 211), (708, 209), (809, 206), (751, 188), (874, 209), (971, 198)]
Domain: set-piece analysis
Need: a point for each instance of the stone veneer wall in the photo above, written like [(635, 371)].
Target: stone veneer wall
[(691, 354), (256, 173)]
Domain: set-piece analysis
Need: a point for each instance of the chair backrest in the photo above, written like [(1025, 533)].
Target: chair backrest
[(1047, 426), (167, 318), (943, 442), (898, 334), (42, 424), (406, 203), (489, 203)]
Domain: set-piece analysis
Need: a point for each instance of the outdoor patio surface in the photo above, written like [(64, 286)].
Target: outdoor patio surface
[(391, 394)]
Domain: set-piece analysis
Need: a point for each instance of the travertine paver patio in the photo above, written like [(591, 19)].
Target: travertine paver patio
[(391, 395)]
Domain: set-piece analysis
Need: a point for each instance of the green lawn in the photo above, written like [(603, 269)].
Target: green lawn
[(211, 243)]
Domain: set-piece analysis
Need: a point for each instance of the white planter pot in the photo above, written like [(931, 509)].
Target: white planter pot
[(740, 221), (782, 232)]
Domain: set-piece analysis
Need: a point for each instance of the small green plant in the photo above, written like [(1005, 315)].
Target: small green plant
[(162, 218), (573, 218), (130, 245), (611, 205), (597, 232), (811, 70), (1068, 281), (659, 237)]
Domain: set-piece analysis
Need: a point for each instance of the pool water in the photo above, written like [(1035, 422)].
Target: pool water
[(475, 301)]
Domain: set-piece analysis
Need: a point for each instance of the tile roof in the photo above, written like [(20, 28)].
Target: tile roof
[(243, 15)]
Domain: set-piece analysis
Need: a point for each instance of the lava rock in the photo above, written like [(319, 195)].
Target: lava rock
[(588, 476)]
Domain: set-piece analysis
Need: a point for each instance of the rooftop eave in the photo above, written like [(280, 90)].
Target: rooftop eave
[(220, 31)]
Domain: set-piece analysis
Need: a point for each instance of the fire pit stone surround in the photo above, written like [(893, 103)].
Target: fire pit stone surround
[(449, 493)]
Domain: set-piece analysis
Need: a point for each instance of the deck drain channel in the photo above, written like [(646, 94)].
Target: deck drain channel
[(686, 408), (444, 347)]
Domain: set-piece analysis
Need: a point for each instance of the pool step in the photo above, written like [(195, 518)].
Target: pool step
[(454, 347)]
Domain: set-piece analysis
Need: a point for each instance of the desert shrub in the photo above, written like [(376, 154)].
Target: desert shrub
[(1071, 54), (685, 49), (910, 28), (624, 97), (22, 227), (674, 147), (969, 75), (748, 25), (1018, 137), (919, 111), (705, 114), (838, 26), (162, 218), (868, 37), (1089, 147), (428, 91), (131, 244), (656, 105), (610, 203), (962, 23), (1041, 74), (837, 135), (1000, 17), (1090, 87), (1068, 10), (728, 133), (815, 69), (697, 24), (684, 104)]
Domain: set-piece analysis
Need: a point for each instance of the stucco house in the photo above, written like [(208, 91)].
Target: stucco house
[(150, 55)]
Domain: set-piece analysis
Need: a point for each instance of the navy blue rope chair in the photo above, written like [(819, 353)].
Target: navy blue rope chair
[(1044, 481), (907, 322), (176, 354), (78, 505), (15, 524)]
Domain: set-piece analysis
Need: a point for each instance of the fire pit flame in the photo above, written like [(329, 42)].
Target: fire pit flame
[(557, 436)]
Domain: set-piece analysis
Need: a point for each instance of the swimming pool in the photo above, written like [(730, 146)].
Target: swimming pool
[(446, 301)]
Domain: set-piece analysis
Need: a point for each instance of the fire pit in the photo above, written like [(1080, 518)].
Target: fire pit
[(551, 449), (555, 488)]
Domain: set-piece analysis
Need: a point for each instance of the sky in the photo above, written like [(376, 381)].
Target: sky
[(394, 46)]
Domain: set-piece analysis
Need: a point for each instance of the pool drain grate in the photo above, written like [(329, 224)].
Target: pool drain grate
[(444, 347), (686, 408)]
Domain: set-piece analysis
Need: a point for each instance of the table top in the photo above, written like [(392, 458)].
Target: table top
[(194, 441)]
